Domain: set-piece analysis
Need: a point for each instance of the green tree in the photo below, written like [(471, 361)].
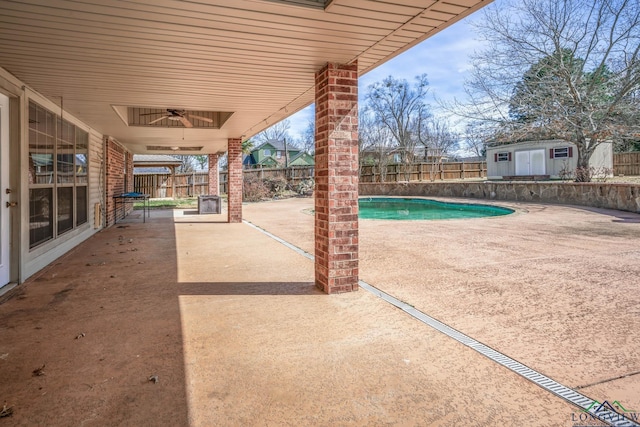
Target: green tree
[(202, 160), (247, 146)]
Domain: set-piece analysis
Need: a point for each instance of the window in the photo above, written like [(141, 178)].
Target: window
[(502, 157), (279, 154), (267, 152), (58, 160), (561, 153)]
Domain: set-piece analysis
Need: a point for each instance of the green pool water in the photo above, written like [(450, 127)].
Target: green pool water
[(411, 209)]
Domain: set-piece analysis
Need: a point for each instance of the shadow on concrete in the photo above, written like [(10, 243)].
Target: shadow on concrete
[(111, 314), (254, 288), (102, 320), (621, 216)]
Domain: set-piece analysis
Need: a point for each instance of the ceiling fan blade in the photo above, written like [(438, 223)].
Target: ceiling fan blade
[(157, 120), (204, 119), (186, 122)]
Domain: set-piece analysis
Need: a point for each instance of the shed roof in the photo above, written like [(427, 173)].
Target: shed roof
[(154, 160)]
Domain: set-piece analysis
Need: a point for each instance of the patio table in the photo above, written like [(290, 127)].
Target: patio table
[(131, 197)]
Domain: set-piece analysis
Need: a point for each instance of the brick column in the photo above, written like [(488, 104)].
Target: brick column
[(214, 182), (118, 177), (234, 180), (336, 174)]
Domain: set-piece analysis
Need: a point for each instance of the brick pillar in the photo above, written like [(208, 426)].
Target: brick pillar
[(214, 182), (234, 180), (118, 177), (336, 174)]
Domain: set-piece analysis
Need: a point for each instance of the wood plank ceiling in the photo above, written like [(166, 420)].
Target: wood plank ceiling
[(255, 58)]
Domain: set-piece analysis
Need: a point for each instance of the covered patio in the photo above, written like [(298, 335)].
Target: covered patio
[(91, 83)]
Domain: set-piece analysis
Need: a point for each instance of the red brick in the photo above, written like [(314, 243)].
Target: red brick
[(118, 178), (214, 183), (234, 184), (336, 223)]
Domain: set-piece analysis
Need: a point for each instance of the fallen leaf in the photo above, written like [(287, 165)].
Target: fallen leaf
[(6, 411)]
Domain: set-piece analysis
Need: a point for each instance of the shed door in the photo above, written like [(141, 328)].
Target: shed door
[(530, 162)]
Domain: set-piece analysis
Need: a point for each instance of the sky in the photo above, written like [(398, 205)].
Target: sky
[(444, 57)]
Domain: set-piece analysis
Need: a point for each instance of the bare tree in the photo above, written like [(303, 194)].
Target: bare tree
[(374, 143), (187, 163), (279, 132), (437, 137), (401, 108), (558, 69), (308, 139), (476, 138)]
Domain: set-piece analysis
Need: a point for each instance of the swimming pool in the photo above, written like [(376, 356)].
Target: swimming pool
[(416, 209)]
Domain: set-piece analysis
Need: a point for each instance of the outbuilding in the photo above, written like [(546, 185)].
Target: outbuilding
[(548, 159)]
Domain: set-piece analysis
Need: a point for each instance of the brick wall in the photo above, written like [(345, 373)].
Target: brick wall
[(336, 169), (214, 182), (234, 184), (119, 175)]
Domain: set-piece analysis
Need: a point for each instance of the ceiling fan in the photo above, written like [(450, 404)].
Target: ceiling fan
[(178, 116)]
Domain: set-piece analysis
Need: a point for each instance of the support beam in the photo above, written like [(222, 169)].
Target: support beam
[(173, 182), (214, 181), (336, 175), (234, 183)]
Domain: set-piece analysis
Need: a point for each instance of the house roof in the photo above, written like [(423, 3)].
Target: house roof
[(276, 144), (267, 160), (154, 160), (243, 65), (150, 171), (301, 154)]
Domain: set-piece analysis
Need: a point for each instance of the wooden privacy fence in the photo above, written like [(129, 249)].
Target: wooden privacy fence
[(293, 175), (626, 163), (424, 172), (161, 185), (197, 184)]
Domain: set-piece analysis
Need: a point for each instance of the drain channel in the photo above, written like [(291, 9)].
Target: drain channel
[(592, 407)]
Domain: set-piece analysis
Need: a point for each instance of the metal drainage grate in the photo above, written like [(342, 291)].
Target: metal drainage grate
[(604, 414)]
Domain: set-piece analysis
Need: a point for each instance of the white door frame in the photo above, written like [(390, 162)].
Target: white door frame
[(5, 197)]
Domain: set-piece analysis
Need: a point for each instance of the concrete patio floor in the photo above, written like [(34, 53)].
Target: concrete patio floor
[(231, 324)]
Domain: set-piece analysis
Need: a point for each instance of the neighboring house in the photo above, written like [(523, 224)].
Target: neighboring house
[(273, 154), (302, 159), (543, 159)]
